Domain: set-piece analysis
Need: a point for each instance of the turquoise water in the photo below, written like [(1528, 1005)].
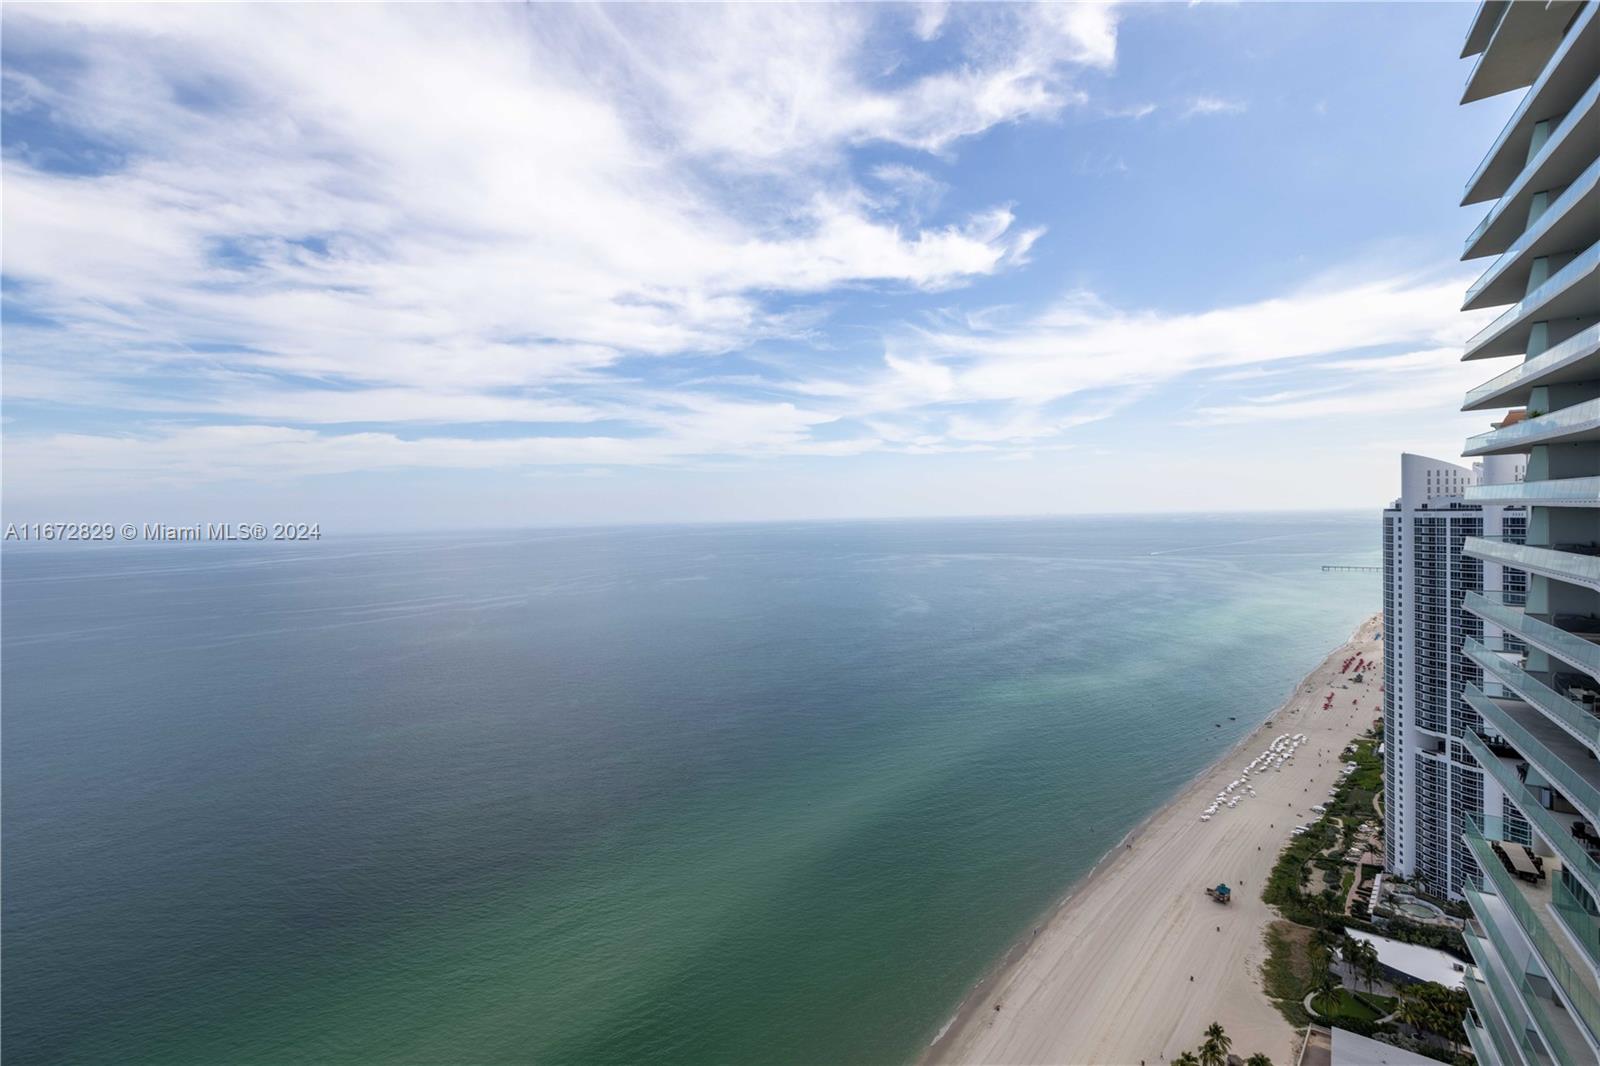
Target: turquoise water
[(775, 793)]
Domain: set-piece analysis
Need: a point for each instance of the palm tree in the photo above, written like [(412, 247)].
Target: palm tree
[(1328, 985), (1186, 1059), (1258, 1059), (1215, 1035), (1214, 1052), (1366, 960), (1414, 1011)]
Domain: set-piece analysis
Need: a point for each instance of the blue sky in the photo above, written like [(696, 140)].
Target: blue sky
[(387, 268)]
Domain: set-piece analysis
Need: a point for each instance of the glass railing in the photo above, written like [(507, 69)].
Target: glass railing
[(1581, 921), (1575, 567), (1556, 705), (1569, 490), (1509, 1005), (1581, 264), (1483, 56), (1549, 826), (1481, 1039), (1579, 187), (1555, 957), (1575, 346), (1575, 117), (1556, 1025), (1528, 100), (1529, 431), (1568, 647), (1584, 796)]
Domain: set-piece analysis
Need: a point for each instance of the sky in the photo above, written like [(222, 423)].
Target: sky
[(390, 268)]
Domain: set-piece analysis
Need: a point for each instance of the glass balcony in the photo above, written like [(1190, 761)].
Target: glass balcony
[(1576, 564), (1523, 117), (1553, 216), (1535, 302), (1514, 384), (1503, 1007), (1554, 426), (1577, 647), (1561, 760), (1578, 719), (1530, 906), (1526, 1000), (1555, 828), (1557, 492)]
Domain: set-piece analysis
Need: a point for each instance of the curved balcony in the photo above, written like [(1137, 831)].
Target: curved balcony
[(1555, 828), (1560, 708), (1576, 649), (1571, 221), (1557, 492), (1570, 425), (1532, 1000), (1564, 78), (1561, 760), (1522, 41), (1573, 564), (1506, 1006), (1569, 292), (1575, 359), (1561, 158), (1536, 920)]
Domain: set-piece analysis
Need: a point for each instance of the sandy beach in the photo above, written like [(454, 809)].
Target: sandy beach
[(1107, 978)]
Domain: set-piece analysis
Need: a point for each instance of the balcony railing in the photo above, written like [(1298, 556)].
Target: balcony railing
[(1568, 647), (1572, 491), (1574, 565), (1580, 344), (1556, 1025), (1557, 706), (1580, 187), (1573, 854), (1572, 120), (1520, 436), (1555, 957), (1559, 282), (1504, 997), (1553, 767), (1521, 113)]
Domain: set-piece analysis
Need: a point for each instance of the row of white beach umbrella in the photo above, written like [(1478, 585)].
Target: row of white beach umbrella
[(1280, 751)]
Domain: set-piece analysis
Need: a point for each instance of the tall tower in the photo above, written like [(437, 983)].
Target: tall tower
[(1432, 785), (1535, 895)]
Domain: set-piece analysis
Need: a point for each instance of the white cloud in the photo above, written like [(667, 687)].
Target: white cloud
[(1212, 105), (478, 198)]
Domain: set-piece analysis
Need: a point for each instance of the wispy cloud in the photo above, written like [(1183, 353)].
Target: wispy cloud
[(500, 237), (1212, 105), (481, 211)]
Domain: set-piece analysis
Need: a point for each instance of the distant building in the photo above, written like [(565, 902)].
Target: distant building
[(1534, 722), (1431, 784)]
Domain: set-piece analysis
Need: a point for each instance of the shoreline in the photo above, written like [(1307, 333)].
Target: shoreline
[(958, 1036)]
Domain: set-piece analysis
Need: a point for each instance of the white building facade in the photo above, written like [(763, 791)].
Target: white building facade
[(1431, 783)]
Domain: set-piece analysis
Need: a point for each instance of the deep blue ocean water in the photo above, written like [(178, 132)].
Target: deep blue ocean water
[(699, 794)]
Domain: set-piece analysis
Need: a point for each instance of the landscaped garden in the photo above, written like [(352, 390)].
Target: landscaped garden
[(1347, 1005)]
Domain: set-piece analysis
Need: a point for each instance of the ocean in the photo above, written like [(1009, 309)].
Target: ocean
[(694, 794)]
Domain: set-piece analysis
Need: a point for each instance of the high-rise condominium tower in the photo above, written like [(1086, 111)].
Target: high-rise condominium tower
[(1535, 726), (1433, 785)]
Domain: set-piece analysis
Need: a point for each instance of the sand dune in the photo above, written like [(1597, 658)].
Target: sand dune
[(1107, 978)]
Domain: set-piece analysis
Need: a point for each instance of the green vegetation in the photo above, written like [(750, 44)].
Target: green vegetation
[(1435, 1009), (1288, 973), (1346, 1006)]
